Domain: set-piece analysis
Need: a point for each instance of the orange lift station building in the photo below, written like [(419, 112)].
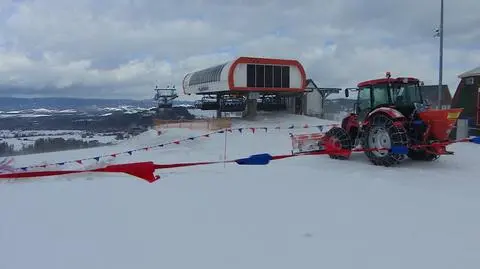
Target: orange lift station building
[(248, 78)]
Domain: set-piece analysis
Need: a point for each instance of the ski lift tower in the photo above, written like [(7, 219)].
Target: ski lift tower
[(165, 97)]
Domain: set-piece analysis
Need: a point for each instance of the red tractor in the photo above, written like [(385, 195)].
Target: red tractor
[(390, 113)]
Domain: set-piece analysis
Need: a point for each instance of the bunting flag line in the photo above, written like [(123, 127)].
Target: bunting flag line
[(176, 142), (146, 170), (6, 165)]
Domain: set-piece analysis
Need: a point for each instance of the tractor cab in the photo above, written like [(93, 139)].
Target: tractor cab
[(403, 94)]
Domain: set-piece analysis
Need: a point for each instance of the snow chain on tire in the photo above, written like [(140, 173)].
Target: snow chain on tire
[(380, 133), (340, 135)]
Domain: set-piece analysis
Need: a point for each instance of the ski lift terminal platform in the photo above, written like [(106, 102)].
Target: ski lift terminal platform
[(248, 84)]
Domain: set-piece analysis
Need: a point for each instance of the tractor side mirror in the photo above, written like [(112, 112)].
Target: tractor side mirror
[(347, 93)]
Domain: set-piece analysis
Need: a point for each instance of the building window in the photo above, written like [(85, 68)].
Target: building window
[(470, 81), (277, 76), (268, 76), (250, 75), (260, 76), (286, 77)]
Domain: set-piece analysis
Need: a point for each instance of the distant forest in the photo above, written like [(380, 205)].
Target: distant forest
[(42, 145)]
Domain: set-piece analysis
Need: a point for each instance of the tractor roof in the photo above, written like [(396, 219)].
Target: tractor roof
[(386, 80)]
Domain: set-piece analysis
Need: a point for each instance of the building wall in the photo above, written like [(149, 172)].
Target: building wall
[(313, 106), (430, 94), (295, 78), (467, 97), (240, 75)]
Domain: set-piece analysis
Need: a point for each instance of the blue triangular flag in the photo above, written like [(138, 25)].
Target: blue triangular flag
[(191, 138), (258, 159), (240, 129), (291, 127), (475, 140), (399, 149), (24, 168), (320, 127), (61, 163), (97, 158), (129, 152)]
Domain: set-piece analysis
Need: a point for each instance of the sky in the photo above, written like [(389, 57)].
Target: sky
[(123, 48)]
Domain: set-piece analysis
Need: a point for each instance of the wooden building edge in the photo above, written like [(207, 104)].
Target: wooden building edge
[(467, 96)]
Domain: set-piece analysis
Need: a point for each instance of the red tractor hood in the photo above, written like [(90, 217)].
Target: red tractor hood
[(440, 122)]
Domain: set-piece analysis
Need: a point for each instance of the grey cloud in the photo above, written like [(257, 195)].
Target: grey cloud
[(126, 47)]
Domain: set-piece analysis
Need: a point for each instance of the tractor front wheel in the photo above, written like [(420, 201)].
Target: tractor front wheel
[(339, 143), (379, 136)]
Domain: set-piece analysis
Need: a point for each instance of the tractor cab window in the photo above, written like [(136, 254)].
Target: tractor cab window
[(364, 100), (406, 94), (380, 95)]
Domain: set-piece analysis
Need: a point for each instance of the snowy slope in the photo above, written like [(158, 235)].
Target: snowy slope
[(304, 212)]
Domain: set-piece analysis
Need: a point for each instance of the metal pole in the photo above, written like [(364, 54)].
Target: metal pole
[(225, 150), (440, 71)]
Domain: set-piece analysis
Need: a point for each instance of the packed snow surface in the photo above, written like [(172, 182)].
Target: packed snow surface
[(302, 212)]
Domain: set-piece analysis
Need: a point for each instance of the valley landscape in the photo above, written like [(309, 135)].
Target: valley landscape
[(33, 125)]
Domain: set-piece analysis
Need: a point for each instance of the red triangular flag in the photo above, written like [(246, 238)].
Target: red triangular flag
[(253, 130), (79, 161), (143, 170)]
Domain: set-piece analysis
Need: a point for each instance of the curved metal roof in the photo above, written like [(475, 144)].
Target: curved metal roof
[(472, 73)]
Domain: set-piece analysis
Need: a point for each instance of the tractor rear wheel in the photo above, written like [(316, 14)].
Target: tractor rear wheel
[(380, 135), (338, 139)]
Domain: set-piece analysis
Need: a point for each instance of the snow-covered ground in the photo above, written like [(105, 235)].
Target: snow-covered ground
[(303, 212)]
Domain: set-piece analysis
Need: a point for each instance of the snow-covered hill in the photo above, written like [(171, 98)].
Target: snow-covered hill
[(303, 212)]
